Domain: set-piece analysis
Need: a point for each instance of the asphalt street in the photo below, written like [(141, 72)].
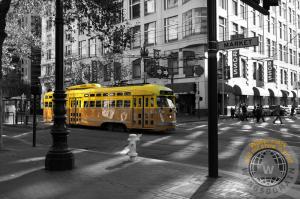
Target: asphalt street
[(187, 144)]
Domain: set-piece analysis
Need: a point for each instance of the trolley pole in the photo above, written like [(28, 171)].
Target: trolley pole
[(212, 90), (59, 157)]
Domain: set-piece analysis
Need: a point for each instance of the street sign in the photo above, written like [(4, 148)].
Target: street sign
[(238, 43)]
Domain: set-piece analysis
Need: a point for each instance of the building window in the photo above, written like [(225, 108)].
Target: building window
[(49, 40), (81, 49), (187, 23), (268, 22), (107, 72), (92, 47), (280, 30), (171, 4), (150, 33), (273, 25), (285, 54), (273, 53), (244, 68), (149, 6), (173, 63), (188, 63), (294, 58), (171, 29), (281, 76), (284, 10), (290, 35), (68, 36), (49, 24), (136, 69), (280, 52), (194, 21), (243, 31), (254, 70), (235, 7), (68, 50), (136, 36), (285, 32), (285, 77), (117, 71), (253, 17), (253, 35), (223, 4), (49, 53), (243, 10), (134, 9), (260, 72), (80, 28), (261, 20), (235, 29), (291, 56), (222, 28), (298, 21)]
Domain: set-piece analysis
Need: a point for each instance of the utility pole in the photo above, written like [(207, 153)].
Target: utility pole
[(59, 157), (212, 90)]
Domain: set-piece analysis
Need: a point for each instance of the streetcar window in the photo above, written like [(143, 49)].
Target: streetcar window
[(127, 93), (112, 103), (98, 94), (46, 97), (140, 102), (92, 103), (111, 94), (86, 95), (119, 94), (119, 103), (163, 101), (105, 94), (146, 102), (126, 103), (50, 104), (134, 102), (105, 103), (46, 104), (92, 95), (50, 97), (98, 103), (85, 104), (152, 102)]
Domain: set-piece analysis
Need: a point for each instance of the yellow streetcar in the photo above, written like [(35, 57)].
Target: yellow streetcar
[(145, 106)]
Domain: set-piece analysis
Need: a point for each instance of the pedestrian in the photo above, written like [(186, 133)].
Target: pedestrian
[(254, 113), (262, 113), (277, 114), (232, 111), (292, 115), (244, 111), (258, 113)]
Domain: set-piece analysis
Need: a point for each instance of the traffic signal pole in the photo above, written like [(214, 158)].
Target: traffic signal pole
[(212, 90)]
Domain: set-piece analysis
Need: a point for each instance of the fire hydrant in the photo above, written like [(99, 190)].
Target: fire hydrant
[(133, 138)]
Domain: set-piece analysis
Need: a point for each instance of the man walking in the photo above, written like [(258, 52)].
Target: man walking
[(277, 113)]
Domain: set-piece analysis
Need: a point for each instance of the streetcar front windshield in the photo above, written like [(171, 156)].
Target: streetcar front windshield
[(163, 101)]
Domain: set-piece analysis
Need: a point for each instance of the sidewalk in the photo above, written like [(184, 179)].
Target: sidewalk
[(100, 175)]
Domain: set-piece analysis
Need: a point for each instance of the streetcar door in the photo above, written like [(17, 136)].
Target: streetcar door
[(138, 112), (74, 114), (148, 111)]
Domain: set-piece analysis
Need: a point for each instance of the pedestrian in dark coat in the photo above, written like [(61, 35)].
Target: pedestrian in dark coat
[(277, 115), (232, 111)]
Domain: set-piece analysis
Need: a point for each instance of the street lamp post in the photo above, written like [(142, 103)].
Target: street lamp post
[(212, 90), (59, 157)]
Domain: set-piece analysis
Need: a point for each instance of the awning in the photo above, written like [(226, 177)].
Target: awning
[(227, 88), (293, 94), (285, 93), (183, 88), (260, 91), (274, 92), (245, 90)]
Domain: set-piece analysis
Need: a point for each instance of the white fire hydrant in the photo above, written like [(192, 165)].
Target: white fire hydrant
[(133, 138)]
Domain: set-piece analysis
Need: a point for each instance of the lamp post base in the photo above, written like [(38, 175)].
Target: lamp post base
[(59, 161)]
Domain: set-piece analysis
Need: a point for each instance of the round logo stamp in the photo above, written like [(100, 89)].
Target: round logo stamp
[(269, 166)]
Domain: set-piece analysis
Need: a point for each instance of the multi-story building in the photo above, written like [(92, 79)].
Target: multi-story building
[(31, 66), (177, 31), (266, 74)]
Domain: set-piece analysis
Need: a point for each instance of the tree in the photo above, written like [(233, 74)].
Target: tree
[(102, 16)]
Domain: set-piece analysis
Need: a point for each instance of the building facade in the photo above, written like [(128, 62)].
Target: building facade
[(174, 32), (267, 74)]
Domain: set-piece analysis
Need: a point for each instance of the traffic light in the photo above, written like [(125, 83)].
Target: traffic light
[(268, 3)]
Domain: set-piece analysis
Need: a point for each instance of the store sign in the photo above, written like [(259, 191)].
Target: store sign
[(271, 71), (236, 63)]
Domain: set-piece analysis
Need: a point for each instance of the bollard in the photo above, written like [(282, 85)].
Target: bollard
[(133, 138)]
